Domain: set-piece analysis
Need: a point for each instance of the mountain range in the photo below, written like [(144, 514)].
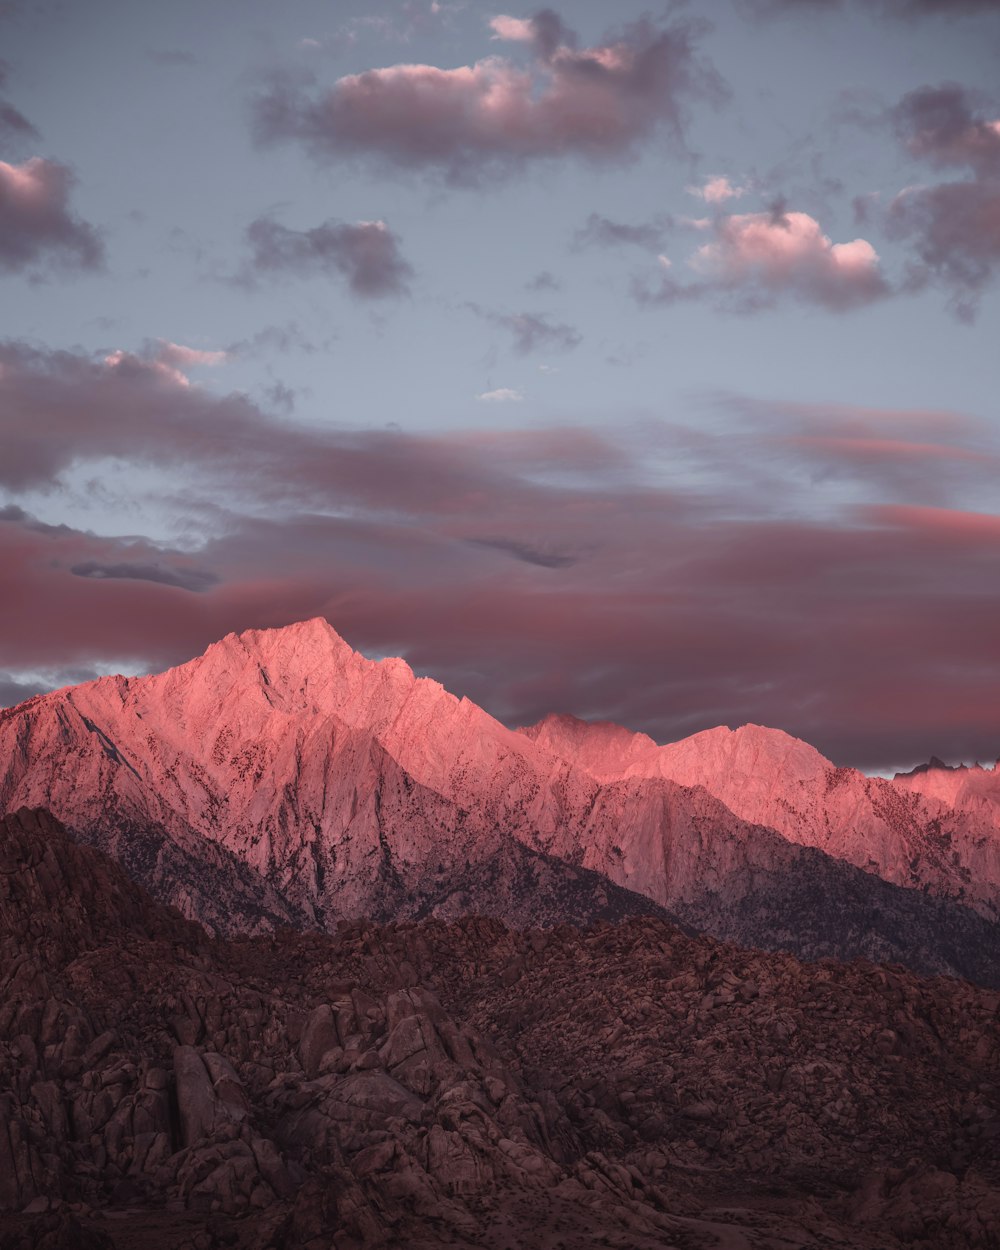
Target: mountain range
[(282, 780)]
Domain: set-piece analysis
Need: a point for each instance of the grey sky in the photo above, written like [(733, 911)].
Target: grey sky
[(771, 235)]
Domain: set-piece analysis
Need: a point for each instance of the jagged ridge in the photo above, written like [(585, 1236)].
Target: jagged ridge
[(317, 785)]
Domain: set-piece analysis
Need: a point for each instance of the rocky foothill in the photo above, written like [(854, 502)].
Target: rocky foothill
[(458, 1083)]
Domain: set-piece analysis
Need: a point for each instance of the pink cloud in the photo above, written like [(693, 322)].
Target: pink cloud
[(717, 190), (182, 357), (514, 29), (169, 362), (490, 116), (754, 259), (947, 525), (537, 569), (36, 225)]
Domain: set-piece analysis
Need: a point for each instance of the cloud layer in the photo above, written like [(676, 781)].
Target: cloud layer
[(826, 570), (491, 116)]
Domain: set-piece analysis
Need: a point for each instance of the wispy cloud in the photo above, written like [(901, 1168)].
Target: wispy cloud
[(502, 395), (366, 253)]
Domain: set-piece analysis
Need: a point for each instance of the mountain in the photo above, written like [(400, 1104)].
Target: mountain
[(975, 792), (283, 780), (912, 831), (464, 1084)]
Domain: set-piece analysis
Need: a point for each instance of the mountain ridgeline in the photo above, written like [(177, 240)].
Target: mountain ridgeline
[(282, 780)]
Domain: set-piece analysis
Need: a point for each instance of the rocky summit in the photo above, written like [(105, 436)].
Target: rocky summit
[(284, 780), (462, 1083)]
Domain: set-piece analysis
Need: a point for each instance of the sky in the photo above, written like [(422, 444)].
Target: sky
[(637, 363)]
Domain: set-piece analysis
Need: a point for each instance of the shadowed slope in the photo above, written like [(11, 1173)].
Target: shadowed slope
[(464, 1085)]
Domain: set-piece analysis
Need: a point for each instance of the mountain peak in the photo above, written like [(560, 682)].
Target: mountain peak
[(313, 635)]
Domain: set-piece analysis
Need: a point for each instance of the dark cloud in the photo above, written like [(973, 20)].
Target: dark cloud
[(829, 571), (13, 692), (193, 579), (14, 126), (954, 227), (489, 117), (36, 225), (527, 553), (955, 230), (366, 253), (598, 231), (940, 125), (883, 8)]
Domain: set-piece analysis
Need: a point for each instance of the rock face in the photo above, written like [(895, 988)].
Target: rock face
[(463, 1084), (283, 780)]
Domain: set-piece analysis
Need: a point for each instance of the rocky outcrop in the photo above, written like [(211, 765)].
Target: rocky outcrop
[(464, 1084)]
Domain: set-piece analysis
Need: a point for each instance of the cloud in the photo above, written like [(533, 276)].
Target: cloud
[(283, 338), (193, 579), (753, 260), (543, 281), (170, 362), (515, 29), (599, 231), (366, 253), (13, 691), (939, 125), (36, 225), (532, 332), (954, 227), (502, 395), (14, 126), (546, 32), (490, 117), (177, 356), (830, 570), (17, 687), (527, 552), (884, 8), (717, 190)]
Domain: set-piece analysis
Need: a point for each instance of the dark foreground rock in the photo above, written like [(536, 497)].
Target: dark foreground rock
[(460, 1084)]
